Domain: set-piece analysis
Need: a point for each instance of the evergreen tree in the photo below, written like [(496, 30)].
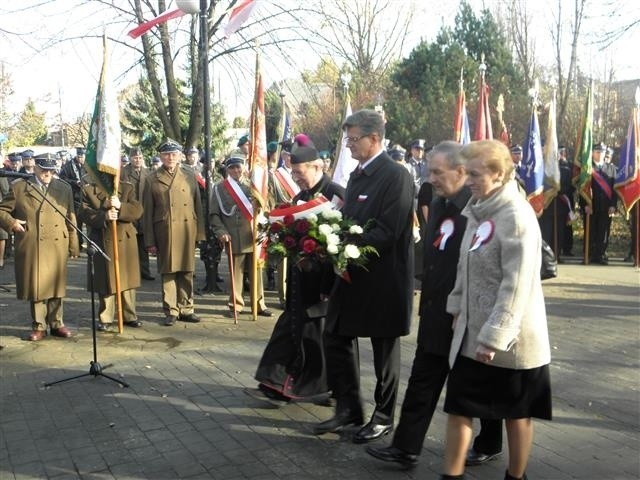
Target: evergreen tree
[(30, 128)]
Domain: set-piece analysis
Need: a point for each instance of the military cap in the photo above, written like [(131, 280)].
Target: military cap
[(396, 154), (609, 152), (419, 143), (272, 147), (242, 140), (14, 157), (124, 159), (80, 151), (27, 154), (562, 148), (46, 161), (192, 150), (303, 155), (324, 154), (599, 147), (155, 160), (135, 151), (516, 148), (169, 146), (234, 159)]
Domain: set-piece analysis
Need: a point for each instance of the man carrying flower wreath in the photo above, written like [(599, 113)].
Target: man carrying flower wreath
[(293, 362), (376, 301)]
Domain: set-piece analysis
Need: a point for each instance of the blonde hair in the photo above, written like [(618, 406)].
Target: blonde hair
[(494, 155)]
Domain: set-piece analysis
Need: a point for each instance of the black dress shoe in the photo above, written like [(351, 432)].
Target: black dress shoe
[(170, 320), (393, 454), (478, 458), (133, 324), (372, 431), (148, 277), (265, 313), (190, 318), (338, 423)]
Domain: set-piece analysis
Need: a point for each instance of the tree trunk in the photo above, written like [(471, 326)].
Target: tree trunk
[(170, 80)]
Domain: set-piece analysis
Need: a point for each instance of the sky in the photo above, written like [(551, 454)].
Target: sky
[(61, 76)]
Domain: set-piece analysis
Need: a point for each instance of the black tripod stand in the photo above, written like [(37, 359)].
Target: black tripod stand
[(95, 368)]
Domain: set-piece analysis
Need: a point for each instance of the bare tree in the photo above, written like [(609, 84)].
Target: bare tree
[(566, 78), (367, 36), (519, 22)]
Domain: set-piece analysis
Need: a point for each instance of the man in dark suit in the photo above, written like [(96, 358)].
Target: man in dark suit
[(73, 172), (173, 222), (443, 234), (377, 301), (603, 204), (136, 173)]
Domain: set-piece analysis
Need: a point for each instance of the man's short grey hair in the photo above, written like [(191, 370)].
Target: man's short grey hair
[(369, 122), (451, 152)]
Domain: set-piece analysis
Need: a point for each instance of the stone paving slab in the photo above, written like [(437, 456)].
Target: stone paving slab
[(185, 414)]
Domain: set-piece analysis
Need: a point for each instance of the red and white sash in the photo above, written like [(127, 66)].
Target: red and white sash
[(239, 197), (604, 185), (285, 180)]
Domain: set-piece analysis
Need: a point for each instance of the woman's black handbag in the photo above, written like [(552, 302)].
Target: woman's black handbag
[(549, 266)]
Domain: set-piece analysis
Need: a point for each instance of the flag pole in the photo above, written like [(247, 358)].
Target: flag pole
[(256, 204), (116, 258)]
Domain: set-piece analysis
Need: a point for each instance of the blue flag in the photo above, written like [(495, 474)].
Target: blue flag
[(286, 132), (532, 168)]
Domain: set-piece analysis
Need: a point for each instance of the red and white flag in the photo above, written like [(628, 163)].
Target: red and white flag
[(258, 156), (239, 15), (148, 25)]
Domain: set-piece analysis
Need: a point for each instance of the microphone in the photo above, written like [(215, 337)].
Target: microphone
[(8, 174)]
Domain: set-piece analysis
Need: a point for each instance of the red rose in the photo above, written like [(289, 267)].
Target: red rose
[(276, 227), (288, 220), (302, 226), (289, 242), (309, 245)]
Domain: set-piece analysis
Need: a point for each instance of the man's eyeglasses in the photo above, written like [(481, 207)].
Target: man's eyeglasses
[(355, 139)]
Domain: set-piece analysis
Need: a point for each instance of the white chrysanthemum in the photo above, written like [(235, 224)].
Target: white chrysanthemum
[(333, 239), (312, 217), (332, 248), (325, 229), (351, 251), (355, 229), (332, 215), (335, 227)]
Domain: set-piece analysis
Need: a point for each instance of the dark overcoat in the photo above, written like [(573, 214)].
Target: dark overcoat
[(93, 213), (377, 302), (173, 219), (42, 251), (439, 272), (137, 179)]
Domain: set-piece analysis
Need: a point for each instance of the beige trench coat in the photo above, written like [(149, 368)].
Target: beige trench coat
[(173, 220), (41, 253), (93, 213)]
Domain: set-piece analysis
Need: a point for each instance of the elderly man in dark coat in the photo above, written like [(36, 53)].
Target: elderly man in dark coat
[(377, 301), (98, 211), (173, 222), (293, 363), (43, 243)]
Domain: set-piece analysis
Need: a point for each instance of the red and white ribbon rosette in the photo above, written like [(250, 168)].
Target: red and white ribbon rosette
[(483, 234)]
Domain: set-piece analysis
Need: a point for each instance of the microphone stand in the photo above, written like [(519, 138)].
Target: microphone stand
[(95, 368)]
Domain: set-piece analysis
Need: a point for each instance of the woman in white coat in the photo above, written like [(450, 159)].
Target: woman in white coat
[(500, 350)]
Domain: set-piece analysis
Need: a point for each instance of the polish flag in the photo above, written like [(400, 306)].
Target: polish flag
[(239, 15), (146, 26)]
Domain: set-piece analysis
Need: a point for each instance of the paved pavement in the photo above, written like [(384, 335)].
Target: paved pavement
[(185, 414)]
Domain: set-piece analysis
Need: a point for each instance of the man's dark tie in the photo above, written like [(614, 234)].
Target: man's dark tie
[(359, 171)]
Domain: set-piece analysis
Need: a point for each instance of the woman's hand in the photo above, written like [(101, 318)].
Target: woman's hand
[(484, 354)]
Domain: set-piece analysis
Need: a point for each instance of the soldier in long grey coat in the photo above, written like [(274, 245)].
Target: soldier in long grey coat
[(98, 211), (172, 223), (43, 243)]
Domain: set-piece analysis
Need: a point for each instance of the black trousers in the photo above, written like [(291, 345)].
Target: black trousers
[(599, 224), (143, 257), (344, 374), (428, 374), (489, 440)]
